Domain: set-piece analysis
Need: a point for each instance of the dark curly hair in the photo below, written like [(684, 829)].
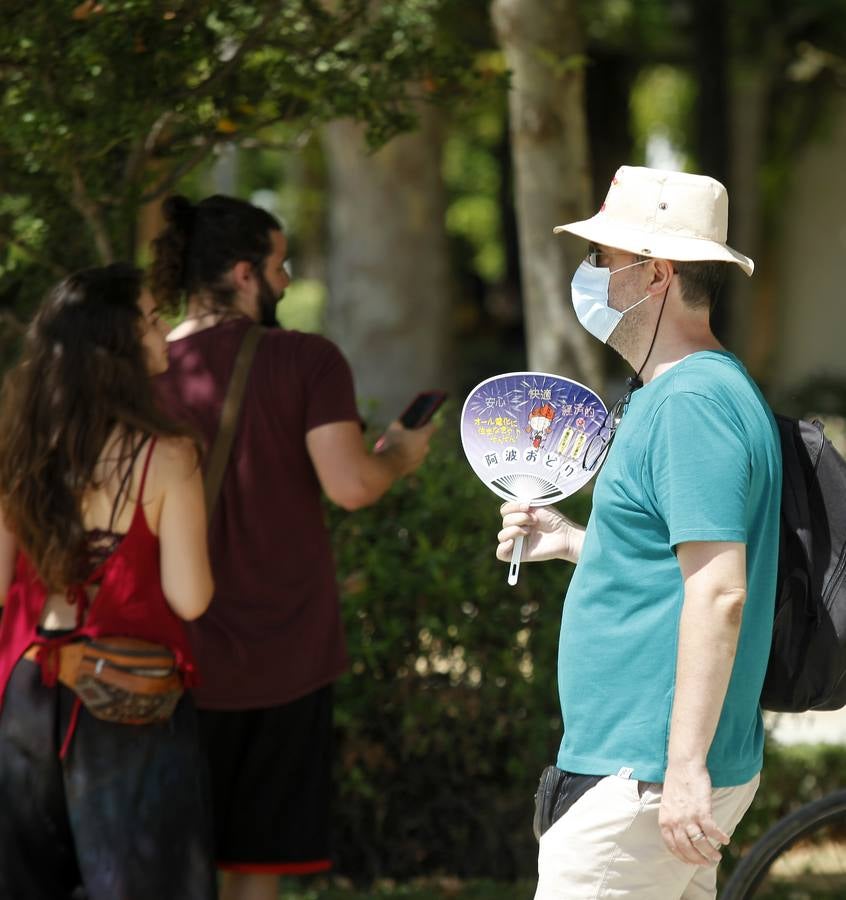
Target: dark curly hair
[(202, 242), (82, 375)]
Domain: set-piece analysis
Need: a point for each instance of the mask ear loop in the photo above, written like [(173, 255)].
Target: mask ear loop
[(634, 381)]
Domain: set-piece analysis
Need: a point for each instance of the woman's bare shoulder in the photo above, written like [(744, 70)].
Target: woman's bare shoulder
[(174, 459)]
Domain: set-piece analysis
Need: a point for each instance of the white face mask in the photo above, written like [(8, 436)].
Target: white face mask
[(589, 290)]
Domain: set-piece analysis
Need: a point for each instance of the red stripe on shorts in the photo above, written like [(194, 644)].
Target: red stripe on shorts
[(294, 868)]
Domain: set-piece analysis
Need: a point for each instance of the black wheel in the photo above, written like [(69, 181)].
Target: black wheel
[(802, 857)]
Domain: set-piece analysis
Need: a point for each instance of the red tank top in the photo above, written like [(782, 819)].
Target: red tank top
[(129, 602)]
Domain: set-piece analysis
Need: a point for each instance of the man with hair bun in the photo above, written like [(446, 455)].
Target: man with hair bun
[(272, 642)]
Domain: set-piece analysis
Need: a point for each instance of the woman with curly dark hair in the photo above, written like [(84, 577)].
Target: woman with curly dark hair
[(102, 535)]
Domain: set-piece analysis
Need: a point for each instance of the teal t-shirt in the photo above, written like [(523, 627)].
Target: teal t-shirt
[(696, 457)]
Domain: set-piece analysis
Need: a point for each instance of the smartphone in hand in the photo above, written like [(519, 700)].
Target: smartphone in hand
[(418, 412), (422, 408)]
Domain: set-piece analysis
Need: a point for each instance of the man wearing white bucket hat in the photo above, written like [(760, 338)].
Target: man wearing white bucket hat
[(667, 622)]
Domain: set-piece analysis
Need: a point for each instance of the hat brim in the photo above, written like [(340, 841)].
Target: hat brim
[(663, 246)]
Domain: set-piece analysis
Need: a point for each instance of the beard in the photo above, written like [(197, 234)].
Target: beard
[(268, 300), (627, 338)]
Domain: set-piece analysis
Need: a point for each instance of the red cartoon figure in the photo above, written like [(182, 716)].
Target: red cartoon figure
[(540, 423)]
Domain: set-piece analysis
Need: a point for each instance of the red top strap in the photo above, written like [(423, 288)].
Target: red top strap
[(153, 440)]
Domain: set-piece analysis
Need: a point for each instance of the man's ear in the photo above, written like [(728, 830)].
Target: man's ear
[(242, 274), (662, 272)]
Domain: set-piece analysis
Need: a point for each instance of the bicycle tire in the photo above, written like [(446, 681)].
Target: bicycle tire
[(747, 879)]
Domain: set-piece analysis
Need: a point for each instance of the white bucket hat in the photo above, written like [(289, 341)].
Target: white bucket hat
[(669, 215)]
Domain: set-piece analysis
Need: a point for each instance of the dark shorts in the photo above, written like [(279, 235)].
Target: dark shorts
[(271, 785), (125, 814)]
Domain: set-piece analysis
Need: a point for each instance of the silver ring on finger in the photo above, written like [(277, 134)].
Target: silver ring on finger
[(696, 837)]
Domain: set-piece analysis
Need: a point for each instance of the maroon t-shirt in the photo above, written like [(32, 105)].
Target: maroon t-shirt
[(273, 631)]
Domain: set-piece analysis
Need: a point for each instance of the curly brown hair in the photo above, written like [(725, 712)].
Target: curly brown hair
[(82, 375)]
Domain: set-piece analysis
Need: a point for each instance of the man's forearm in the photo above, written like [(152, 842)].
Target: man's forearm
[(370, 478), (708, 631)]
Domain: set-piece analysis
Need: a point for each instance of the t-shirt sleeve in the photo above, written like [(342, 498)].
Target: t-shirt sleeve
[(327, 382), (697, 470)]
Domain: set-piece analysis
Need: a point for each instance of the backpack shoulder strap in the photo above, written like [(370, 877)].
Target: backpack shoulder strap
[(801, 446), (219, 456)]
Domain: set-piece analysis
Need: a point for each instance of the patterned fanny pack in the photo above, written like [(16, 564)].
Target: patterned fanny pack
[(120, 679)]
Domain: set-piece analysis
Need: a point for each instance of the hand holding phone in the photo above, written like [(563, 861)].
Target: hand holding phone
[(422, 408), (418, 412)]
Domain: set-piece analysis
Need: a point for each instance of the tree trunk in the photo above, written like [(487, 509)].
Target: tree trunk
[(543, 45), (148, 226), (710, 71), (753, 312), (713, 121), (388, 266), (608, 88)]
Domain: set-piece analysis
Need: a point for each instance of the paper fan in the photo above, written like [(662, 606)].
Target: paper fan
[(525, 435)]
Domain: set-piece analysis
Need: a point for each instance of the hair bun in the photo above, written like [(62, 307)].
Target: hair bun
[(179, 211)]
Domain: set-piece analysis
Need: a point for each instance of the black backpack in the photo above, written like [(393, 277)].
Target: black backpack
[(807, 666)]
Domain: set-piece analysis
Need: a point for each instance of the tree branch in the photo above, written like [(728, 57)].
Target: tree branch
[(206, 145), (339, 28), (89, 209), (141, 154), (33, 254), (143, 151), (168, 181), (251, 38), (93, 216), (296, 143), (12, 322)]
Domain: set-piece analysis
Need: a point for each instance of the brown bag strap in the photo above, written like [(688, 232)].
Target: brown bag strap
[(219, 457)]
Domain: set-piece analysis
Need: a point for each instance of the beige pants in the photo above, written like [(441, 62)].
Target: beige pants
[(608, 845)]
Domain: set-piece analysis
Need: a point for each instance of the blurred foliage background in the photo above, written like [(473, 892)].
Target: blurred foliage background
[(111, 105), (451, 709), (418, 153)]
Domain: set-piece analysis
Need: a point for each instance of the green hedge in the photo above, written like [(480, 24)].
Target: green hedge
[(792, 776), (451, 708)]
